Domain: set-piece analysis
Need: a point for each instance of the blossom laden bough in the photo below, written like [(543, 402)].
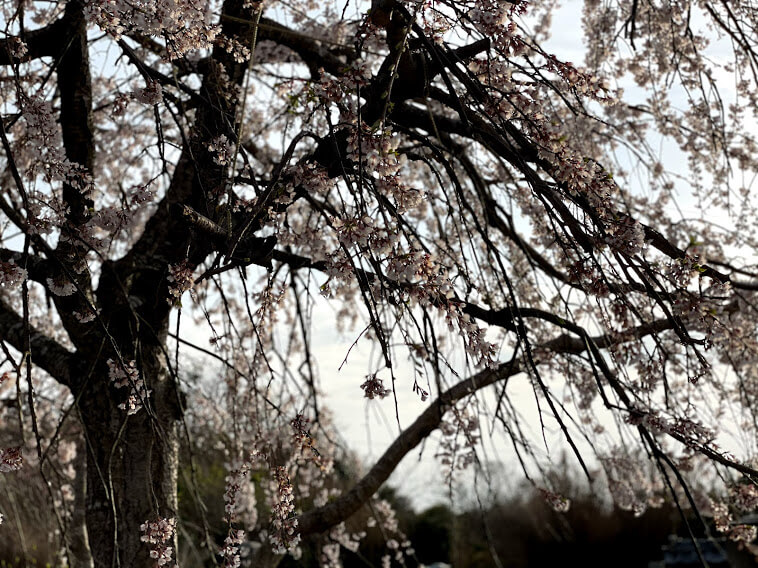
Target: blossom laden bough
[(373, 387), (157, 534), (11, 459), (125, 375)]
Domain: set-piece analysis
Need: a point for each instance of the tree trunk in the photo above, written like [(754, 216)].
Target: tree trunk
[(132, 463), (77, 540)]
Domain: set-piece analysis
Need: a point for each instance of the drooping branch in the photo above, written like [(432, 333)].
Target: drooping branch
[(520, 155), (505, 318)]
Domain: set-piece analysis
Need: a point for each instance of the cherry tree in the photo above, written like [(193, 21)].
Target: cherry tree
[(480, 209)]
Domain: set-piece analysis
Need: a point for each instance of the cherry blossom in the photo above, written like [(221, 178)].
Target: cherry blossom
[(482, 210)]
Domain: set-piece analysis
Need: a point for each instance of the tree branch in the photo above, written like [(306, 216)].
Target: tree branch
[(75, 86), (198, 182), (44, 42), (311, 50), (37, 268), (323, 518), (47, 353)]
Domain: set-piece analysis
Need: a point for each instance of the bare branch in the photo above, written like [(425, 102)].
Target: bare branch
[(323, 518), (44, 42), (47, 353)]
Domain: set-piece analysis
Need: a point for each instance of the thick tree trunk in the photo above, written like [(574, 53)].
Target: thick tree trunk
[(132, 464)]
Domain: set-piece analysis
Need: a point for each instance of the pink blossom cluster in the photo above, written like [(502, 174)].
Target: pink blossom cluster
[(585, 83), (375, 151), (230, 552), (151, 94), (115, 220), (11, 275), (41, 218), (435, 25), (490, 17), (64, 500), (422, 279), (301, 437), (373, 387), (558, 503), (340, 538), (580, 174), (338, 267), (406, 198), (120, 104), (460, 436), (625, 235), (60, 285), (239, 500), (685, 430), (234, 47), (305, 234), (180, 280), (724, 523), (125, 375), (44, 147), (397, 542), (330, 90), (158, 534), (482, 351), (283, 534), (234, 481), (17, 48), (222, 150), (185, 24), (359, 231), (330, 555), (426, 282), (269, 299), (744, 497), (327, 90), (312, 178), (586, 273), (585, 177), (631, 486), (111, 219), (11, 459), (430, 282), (239, 496), (683, 270)]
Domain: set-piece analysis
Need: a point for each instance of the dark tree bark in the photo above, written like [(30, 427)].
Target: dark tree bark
[(132, 462)]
